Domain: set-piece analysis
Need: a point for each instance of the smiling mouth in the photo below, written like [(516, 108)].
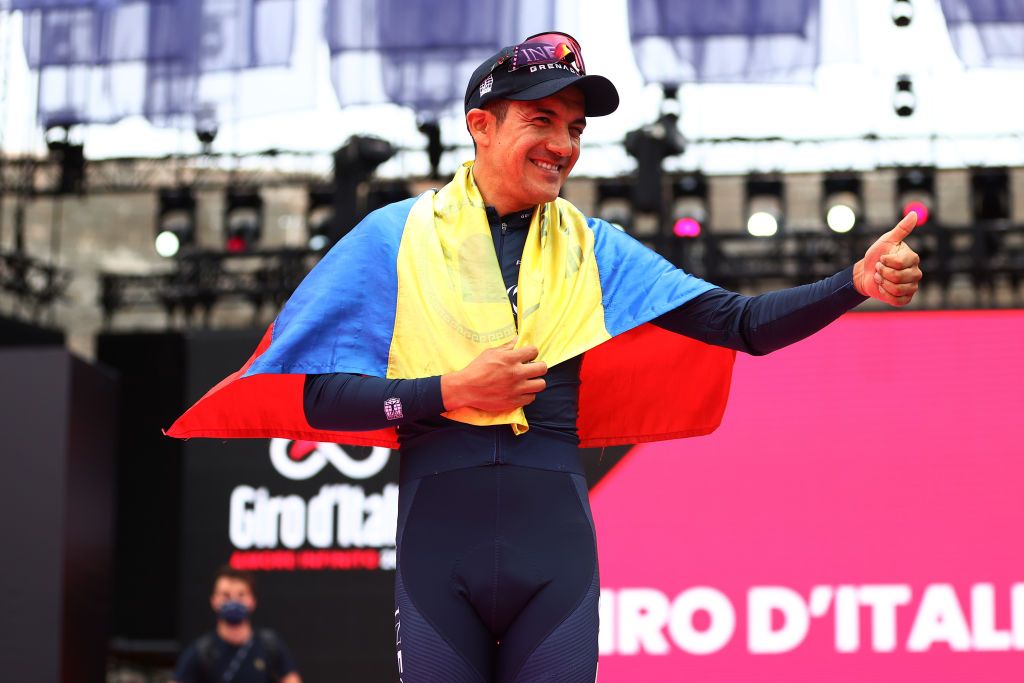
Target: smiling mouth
[(547, 166)]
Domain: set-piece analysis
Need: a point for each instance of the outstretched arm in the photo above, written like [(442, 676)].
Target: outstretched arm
[(761, 324)]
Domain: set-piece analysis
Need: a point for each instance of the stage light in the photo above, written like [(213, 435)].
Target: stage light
[(167, 244), (902, 12), (841, 202), (319, 216), (175, 221), (650, 146), (904, 102), (354, 163), (990, 194), (689, 209), (686, 227), (243, 218), (434, 147), (918, 207), (764, 206), (614, 203), (71, 158), (762, 224), (916, 192)]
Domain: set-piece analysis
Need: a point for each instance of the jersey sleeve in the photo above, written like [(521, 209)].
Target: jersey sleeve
[(342, 401)]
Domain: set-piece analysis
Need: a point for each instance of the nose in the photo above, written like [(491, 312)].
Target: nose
[(560, 142)]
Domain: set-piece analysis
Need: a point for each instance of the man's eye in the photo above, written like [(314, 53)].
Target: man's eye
[(542, 119)]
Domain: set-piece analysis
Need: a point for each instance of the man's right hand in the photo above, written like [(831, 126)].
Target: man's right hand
[(496, 381)]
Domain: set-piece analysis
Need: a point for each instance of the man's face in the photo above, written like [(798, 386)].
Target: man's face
[(535, 148), (228, 590)]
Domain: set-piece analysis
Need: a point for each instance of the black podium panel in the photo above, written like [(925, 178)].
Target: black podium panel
[(57, 428), (14, 332)]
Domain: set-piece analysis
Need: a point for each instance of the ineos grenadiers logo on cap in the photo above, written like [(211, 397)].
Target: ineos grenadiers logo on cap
[(486, 86)]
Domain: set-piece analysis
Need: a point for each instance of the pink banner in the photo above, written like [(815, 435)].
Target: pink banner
[(856, 517)]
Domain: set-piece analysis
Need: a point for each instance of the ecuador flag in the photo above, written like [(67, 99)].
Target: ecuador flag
[(415, 290)]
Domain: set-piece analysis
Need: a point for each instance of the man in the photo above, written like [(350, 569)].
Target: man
[(235, 652), (467, 318)]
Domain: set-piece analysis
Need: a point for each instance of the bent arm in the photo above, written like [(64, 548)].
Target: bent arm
[(342, 402), (761, 324)]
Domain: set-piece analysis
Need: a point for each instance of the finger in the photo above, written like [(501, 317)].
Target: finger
[(509, 344), (900, 276), (902, 229), (525, 354), (897, 291), (904, 258), (525, 400), (533, 386), (531, 370)]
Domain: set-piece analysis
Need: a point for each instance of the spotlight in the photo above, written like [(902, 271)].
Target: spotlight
[(614, 203), (354, 163), (764, 206), (916, 192), (904, 102), (842, 202), (689, 208), (990, 194), (650, 146), (902, 13), (243, 219), (319, 216), (434, 147), (175, 221), (71, 158)]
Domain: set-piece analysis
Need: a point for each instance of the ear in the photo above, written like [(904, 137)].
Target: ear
[(481, 125)]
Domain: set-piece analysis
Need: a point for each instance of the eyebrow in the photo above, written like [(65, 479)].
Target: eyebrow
[(582, 121)]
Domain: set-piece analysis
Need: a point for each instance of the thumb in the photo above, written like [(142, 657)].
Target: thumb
[(510, 344), (902, 229)]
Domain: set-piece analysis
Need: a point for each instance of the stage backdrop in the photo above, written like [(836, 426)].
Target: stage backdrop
[(856, 517)]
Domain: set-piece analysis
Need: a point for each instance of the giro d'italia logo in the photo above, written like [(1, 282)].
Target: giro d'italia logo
[(298, 460)]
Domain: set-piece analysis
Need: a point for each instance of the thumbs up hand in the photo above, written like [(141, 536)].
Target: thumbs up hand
[(890, 269)]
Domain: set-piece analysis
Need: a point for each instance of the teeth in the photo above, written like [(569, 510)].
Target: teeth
[(546, 166)]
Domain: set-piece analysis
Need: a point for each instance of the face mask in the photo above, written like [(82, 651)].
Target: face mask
[(233, 612)]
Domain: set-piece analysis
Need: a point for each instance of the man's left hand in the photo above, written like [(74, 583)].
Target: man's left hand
[(890, 269)]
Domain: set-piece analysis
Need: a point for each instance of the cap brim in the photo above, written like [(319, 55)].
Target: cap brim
[(599, 94)]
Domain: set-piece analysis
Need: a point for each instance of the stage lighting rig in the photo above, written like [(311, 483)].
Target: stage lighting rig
[(434, 147), (243, 218), (990, 195), (902, 12), (765, 202), (615, 202), (904, 101), (650, 146), (71, 159), (175, 221), (319, 216), (842, 203), (690, 205), (354, 163), (915, 189)]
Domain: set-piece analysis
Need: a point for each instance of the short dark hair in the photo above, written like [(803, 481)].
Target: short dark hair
[(497, 107), (228, 572)]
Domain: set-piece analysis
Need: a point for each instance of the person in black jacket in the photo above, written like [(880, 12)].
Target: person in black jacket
[(235, 652)]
